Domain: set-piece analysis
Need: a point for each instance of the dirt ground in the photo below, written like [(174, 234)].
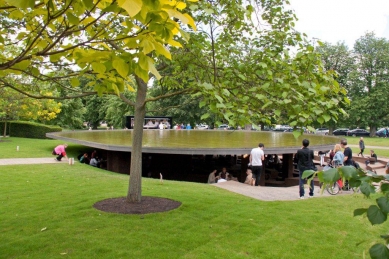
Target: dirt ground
[(147, 205)]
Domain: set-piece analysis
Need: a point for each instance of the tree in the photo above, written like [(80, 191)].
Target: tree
[(247, 69), (338, 58), (104, 41), (370, 82), (16, 106)]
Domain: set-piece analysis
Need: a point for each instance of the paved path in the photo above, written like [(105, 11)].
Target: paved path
[(32, 161), (267, 193)]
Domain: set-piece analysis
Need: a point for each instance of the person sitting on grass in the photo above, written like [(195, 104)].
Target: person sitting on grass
[(84, 159), (212, 177), (249, 176)]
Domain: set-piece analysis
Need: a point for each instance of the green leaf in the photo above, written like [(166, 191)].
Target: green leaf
[(242, 77), (132, 7), (307, 173), (147, 45), (379, 251), (22, 3), (161, 50), (75, 82), (383, 203), (331, 175), (219, 98), (375, 215), (367, 189), (98, 67), (297, 133), (35, 71), (208, 11), (16, 14), (152, 68), (326, 117), (88, 3), (348, 172), (359, 212), (72, 19), (226, 92), (22, 65), (121, 67), (205, 116), (384, 187)]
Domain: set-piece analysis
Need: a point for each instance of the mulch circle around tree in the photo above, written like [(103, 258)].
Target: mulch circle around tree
[(147, 205)]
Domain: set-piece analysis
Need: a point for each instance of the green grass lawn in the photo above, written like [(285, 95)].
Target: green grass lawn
[(35, 148), (211, 222), (47, 212)]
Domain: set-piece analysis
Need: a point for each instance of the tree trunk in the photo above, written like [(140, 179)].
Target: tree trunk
[(5, 128), (373, 130), (134, 194)]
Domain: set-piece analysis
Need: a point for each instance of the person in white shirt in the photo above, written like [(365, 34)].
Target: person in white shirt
[(256, 158)]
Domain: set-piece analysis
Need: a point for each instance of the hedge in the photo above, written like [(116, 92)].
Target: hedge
[(25, 129)]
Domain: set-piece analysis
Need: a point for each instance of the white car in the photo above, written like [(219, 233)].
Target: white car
[(202, 127), (322, 131)]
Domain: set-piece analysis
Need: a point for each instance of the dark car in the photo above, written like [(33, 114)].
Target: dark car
[(358, 133), (340, 132), (381, 133)]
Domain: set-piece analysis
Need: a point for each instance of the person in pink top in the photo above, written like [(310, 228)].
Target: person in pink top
[(60, 152)]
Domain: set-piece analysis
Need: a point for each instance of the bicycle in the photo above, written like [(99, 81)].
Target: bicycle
[(335, 188)]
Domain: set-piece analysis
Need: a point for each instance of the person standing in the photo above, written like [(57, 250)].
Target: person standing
[(305, 162), (60, 152), (361, 147), (256, 158), (348, 153), (338, 157)]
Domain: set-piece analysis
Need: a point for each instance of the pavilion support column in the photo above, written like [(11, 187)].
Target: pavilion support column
[(118, 162), (287, 165)]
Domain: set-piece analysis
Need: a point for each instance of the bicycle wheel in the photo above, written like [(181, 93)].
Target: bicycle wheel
[(333, 189)]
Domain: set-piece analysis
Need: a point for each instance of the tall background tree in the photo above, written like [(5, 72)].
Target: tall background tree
[(338, 58), (370, 82)]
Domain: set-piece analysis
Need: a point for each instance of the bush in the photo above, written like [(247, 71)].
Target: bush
[(25, 129)]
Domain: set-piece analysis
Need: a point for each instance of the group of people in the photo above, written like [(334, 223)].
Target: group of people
[(222, 176), (93, 159), (305, 162), (182, 126)]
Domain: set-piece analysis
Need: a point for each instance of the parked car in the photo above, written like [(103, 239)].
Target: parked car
[(358, 133), (322, 131), (225, 127), (340, 132), (282, 128), (202, 127), (381, 133)]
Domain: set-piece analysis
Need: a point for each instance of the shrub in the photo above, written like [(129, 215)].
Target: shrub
[(25, 129)]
